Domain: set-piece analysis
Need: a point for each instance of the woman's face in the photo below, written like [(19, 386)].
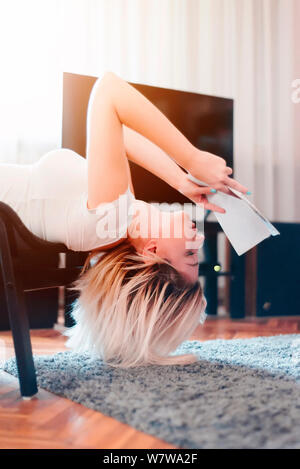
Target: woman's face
[(171, 235)]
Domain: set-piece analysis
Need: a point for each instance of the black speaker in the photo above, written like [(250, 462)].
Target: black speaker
[(278, 273)]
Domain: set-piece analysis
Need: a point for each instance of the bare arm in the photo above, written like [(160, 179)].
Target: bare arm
[(115, 102), (145, 153), (148, 155)]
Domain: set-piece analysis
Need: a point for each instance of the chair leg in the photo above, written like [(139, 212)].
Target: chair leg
[(19, 323), (211, 280)]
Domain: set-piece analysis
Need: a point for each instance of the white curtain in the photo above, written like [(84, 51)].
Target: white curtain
[(243, 49)]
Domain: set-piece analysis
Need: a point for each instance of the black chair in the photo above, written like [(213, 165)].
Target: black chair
[(28, 263)]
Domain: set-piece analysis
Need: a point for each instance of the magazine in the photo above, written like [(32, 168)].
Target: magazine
[(243, 224)]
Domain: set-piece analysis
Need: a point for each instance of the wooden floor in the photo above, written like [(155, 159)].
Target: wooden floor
[(49, 421)]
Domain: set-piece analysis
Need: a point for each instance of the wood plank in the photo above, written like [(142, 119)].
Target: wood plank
[(50, 421)]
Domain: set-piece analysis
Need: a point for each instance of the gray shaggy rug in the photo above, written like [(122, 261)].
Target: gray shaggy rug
[(242, 393)]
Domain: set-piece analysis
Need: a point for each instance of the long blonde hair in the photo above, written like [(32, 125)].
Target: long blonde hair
[(130, 312)]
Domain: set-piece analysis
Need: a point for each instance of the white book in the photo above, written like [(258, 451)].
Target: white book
[(244, 225)]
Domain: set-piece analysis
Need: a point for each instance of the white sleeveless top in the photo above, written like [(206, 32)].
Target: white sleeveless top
[(50, 196)]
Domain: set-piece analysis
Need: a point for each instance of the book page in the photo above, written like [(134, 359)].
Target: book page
[(243, 224)]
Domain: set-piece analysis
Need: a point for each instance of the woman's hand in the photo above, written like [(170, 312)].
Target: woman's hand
[(212, 169), (196, 194)]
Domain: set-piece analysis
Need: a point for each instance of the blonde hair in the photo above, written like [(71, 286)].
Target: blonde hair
[(130, 312)]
